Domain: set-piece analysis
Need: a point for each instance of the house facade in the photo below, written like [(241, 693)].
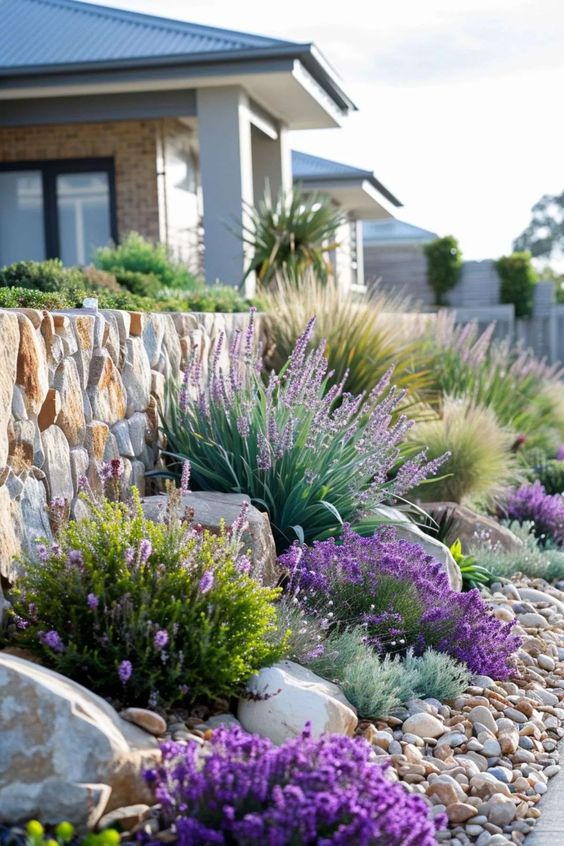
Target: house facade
[(394, 258), (112, 121), (359, 196)]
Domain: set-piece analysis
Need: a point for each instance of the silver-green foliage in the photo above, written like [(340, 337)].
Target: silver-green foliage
[(531, 560), (376, 685)]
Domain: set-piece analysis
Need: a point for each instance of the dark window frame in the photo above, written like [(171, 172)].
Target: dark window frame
[(50, 169)]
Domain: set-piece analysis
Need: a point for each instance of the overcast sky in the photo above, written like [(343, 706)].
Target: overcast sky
[(460, 102)]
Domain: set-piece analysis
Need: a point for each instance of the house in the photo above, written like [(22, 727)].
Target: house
[(359, 195), (394, 256), (112, 121)]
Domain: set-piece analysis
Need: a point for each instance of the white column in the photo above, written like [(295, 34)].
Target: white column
[(226, 167), (272, 163)]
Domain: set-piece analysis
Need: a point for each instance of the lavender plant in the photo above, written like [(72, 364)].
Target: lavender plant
[(327, 792), (531, 503), (145, 613), (306, 452), (401, 599), (521, 389)]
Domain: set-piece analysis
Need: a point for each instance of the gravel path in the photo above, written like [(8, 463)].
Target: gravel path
[(550, 827)]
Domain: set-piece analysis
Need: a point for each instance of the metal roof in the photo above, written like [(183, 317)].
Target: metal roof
[(37, 33), (313, 169), (395, 231)]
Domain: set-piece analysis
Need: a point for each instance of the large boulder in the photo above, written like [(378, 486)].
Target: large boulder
[(473, 529), (210, 508), (60, 742), (409, 531), (283, 698)]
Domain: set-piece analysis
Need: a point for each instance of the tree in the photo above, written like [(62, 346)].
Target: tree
[(518, 279), (544, 236), (444, 265)]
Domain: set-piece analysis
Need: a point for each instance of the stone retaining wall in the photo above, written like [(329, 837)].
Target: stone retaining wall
[(78, 388)]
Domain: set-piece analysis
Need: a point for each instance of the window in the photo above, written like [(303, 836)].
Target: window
[(57, 209)]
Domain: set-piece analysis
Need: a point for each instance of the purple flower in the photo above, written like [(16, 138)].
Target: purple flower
[(401, 597), (145, 550), (185, 478), (92, 601), (328, 792), (161, 638), (125, 671), (530, 502), (206, 582), (560, 453), (112, 469), (243, 565), (82, 483), (129, 556), (76, 559), (42, 552), (52, 640)]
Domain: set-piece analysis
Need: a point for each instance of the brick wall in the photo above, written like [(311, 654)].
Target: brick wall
[(132, 145)]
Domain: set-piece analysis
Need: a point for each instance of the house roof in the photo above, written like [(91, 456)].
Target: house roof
[(379, 232), (313, 169), (62, 32), (48, 43)]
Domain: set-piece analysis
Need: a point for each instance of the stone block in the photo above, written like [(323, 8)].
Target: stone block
[(57, 463), (49, 410), (71, 418), (136, 375), (32, 371), (106, 389)]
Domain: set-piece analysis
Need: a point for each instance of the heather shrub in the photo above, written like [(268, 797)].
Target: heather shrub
[(310, 455), (401, 599), (137, 255), (480, 462), (375, 685), (545, 511), (363, 337), (143, 612), (247, 791), (532, 560)]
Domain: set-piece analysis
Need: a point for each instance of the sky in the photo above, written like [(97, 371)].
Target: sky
[(460, 101)]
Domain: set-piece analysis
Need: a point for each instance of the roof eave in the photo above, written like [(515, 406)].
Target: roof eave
[(306, 53), (319, 182)]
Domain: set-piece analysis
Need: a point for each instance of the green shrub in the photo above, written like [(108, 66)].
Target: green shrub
[(444, 266), (309, 456), (47, 276), (550, 474), (291, 233), (363, 337), (473, 574), (375, 686), (532, 560), (142, 284), (212, 298), (518, 279), (63, 834), (26, 298), (480, 460), (143, 612), (138, 255)]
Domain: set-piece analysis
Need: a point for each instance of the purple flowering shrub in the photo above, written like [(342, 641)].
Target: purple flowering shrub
[(304, 450), (142, 612), (401, 598), (245, 790), (531, 503)]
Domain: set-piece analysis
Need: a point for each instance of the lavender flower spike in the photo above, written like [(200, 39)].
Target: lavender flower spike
[(185, 478), (125, 671), (206, 582)]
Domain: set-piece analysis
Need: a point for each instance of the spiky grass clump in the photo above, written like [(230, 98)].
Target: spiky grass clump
[(546, 563), (481, 463), (375, 686), (364, 337)]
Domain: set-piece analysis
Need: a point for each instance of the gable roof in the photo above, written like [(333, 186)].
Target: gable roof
[(313, 169), (62, 32), (395, 232)]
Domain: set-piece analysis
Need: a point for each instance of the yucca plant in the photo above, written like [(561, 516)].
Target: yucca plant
[(364, 336), (480, 461), (290, 233), (304, 451)]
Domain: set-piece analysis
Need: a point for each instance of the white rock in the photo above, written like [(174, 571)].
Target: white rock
[(533, 620), (482, 714), (424, 725), (501, 810), (408, 530), (293, 695), (59, 740)]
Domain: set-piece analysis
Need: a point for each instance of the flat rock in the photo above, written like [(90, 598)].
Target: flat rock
[(145, 719), (57, 463), (59, 738), (9, 333), (472, 528), (210, 508), (284, 697), (482, 714)]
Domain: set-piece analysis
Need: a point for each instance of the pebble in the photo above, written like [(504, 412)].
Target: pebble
[(423, 725), (546, 662), (501, 810), (482, 714), (533, 621), (459, 812), (145, 719)]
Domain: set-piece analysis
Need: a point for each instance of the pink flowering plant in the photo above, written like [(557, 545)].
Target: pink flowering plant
[(327, 792), (305, 451), (400, 598), (145, 613)]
